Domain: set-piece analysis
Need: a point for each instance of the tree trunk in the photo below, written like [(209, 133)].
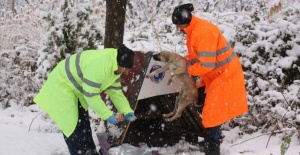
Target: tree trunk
[(12, 6), (114, 24)]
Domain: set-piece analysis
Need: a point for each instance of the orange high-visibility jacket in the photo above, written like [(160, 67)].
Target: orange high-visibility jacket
[(219, 67)]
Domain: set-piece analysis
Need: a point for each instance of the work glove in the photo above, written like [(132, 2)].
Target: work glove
[(112, 119), (130, 117)]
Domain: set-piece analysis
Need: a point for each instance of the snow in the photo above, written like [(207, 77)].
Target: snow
[(286, 62), (27, 130), (294, 51), (263, 85), (23, 130), (298, 118)]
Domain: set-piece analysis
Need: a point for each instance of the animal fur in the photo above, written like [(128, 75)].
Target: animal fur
[(177, 66)]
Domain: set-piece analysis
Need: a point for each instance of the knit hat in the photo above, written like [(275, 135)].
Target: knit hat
[(125, 57), (182, 14)]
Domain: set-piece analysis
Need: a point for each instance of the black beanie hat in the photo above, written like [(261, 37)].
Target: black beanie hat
[(125, 57), (182, 14)]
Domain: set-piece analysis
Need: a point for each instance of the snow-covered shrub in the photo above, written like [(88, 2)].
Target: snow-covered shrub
[(20, 36), (152, 26), (17, 69), (269, 52), (25, 62), (70, 31)]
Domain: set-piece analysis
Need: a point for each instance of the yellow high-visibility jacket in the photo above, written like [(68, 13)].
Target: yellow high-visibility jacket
[(82, 76), (220, 69)]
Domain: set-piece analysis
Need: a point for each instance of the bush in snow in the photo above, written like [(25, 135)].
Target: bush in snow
[(70, 31), (269, 52), (20, 36)]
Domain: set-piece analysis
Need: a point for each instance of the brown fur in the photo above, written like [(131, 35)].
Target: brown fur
[(177, 66)]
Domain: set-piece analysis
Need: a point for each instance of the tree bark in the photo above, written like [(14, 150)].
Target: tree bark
[(12, 6), (114, 24)]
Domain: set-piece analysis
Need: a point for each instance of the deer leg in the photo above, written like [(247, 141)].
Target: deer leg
[(182, 103), (175, 110)]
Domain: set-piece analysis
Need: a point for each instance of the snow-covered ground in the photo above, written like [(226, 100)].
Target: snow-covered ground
[(27, 131)]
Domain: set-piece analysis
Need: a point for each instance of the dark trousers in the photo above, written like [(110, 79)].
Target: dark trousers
[(201, 98), (81, 141), (213, 140), (213, 137)]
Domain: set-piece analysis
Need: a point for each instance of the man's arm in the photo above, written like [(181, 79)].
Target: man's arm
[(118, 98)]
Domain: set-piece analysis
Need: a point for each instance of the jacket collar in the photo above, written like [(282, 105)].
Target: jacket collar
[(191, 26)]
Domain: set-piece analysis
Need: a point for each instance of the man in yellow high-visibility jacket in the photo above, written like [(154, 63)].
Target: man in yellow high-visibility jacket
[(211, 57), (76, 83)]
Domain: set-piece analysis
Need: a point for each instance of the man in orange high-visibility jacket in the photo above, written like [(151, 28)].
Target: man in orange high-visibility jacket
[(212, 59)]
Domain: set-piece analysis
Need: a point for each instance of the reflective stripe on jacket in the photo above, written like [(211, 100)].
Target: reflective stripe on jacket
[(218, 66), (82, 76)]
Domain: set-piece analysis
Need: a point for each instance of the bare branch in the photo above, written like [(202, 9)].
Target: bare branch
[(34, 119), (272, 133)]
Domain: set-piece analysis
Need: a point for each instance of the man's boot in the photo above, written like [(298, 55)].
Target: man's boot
[(212, 149)]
